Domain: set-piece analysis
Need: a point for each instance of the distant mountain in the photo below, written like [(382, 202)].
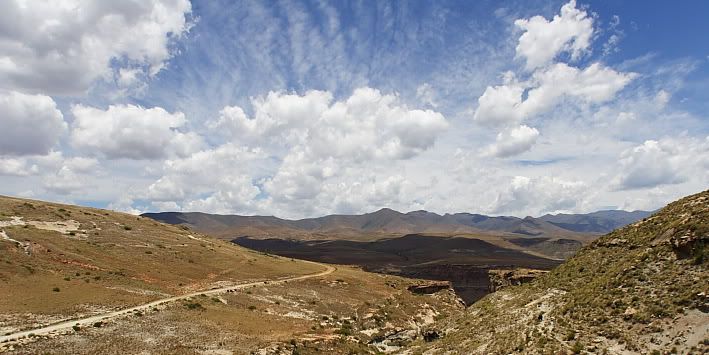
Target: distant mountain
[(596, 222), (388, 222)]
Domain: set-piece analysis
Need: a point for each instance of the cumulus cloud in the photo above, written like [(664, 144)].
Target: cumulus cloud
[(61, 47), (316, 147), (17, 167), (131, 132), (542, 40), (504, 105), (368, 125), (513, 141), (30, 124), (665, 162), (548, 81), (215, 179), (500, 105), (318, 139), (538, 195), (327, 138), (72, 176)]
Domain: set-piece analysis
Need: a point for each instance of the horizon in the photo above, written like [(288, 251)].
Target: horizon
[(307, 109)]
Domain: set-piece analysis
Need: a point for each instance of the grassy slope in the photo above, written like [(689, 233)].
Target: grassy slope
[(630, 291), (122, 260)]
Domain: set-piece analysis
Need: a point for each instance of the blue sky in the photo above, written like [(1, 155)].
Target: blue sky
[(304, 108)]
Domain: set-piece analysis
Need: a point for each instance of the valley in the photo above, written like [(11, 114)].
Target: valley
[(461, 248), (464, 262)]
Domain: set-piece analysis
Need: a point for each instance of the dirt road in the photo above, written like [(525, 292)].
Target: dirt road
[(88, 321)]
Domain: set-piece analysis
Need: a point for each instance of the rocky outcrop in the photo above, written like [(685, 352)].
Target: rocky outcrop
[(689, 244), (504, 278), (429, 287)]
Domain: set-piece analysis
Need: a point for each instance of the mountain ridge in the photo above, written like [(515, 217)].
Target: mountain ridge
[(387, 221)]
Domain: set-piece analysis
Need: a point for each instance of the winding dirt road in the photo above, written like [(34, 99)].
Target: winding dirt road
[(88, 321)]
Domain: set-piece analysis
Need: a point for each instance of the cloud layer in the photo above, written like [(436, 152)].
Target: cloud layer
[(296, 110)]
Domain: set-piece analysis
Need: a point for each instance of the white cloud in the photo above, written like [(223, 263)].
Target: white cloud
[(216, 177), (513, 141), (542, 40), (500, 105), (318, 147), (537, 196), (17, 167), (127, 77), (132, 132), (368, 125), (30, 124), (367, 128), (61, 47), (665, 162), (64, 176), (547, 83), (503, 105)]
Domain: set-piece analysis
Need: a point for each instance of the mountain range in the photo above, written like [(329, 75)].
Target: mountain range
[(387, 222)]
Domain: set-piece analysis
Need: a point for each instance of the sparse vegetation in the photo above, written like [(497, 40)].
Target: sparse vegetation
[(194, 306)]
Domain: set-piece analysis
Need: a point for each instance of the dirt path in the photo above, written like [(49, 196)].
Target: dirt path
[(88, 321)]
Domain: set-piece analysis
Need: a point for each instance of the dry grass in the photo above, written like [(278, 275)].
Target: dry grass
[(114, 260), (324, 315), (122, 260)]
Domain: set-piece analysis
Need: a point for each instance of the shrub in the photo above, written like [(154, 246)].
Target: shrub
[(194, 306), (252, 308), (56, 289), (577, 348), (570, 335), (127, 228)]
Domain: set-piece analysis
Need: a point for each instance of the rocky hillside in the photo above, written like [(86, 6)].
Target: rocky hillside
[(639, 289)]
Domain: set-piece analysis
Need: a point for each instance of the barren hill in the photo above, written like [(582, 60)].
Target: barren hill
[(78, 280)]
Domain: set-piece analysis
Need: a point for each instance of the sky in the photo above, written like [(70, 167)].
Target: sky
[(305, 108)]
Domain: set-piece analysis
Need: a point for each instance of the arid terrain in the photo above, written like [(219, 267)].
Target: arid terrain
[(82, 280), (461, 248)]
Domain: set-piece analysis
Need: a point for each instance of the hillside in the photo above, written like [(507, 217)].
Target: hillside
[(86, 281), (640, 289)]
